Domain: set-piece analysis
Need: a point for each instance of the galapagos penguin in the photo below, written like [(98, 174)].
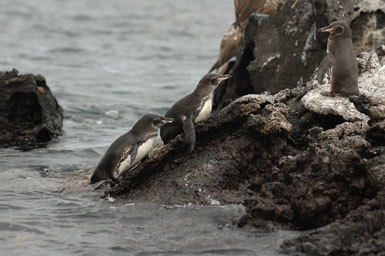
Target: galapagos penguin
[(193, 108), (340, 59), (130, 148)]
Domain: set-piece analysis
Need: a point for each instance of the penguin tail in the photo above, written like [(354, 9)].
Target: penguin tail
[(96, 176), (94, 179)]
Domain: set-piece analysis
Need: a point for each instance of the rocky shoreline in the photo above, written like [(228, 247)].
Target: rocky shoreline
[(295, 158)]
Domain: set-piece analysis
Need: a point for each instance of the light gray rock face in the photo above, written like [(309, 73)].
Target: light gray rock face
[(371, 85), (324, 105)]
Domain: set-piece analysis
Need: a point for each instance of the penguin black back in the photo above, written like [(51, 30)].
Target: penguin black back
[(193, 108)]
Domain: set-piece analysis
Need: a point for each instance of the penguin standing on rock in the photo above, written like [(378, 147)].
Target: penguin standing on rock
[(341, 60), (191, 109), (130, 148)]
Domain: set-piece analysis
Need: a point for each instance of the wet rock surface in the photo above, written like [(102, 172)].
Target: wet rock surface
[(362, 232), (282, 50), (291, 163), (29, 113)]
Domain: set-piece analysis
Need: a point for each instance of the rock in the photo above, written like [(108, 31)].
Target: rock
[(376, 133), (296, 159), (29, 113), (316, 102), (291, 159), (371, 88), (362, 232), (367, 61), (282, 51)]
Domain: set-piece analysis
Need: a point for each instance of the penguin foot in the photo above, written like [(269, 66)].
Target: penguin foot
[(191, 147)]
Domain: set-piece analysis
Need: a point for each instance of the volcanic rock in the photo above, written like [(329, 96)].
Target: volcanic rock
[(282, 50), (29, 112)]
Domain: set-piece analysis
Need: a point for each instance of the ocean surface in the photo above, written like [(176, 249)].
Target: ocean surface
[(108, 63)]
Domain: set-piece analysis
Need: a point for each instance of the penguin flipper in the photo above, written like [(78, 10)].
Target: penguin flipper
[(189, 131), (325, 64), (126, 160), (133, 151)]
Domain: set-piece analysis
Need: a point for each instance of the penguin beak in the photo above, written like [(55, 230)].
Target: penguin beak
[(168, 120), (223, 78), (326, 29)]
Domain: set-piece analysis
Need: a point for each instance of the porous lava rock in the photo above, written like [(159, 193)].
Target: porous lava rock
[(29, 113), (289, 162), (362, 232)]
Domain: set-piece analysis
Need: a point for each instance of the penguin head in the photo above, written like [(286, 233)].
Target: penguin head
[(209, 81), (150, 123), (337, 29), (160, 121)]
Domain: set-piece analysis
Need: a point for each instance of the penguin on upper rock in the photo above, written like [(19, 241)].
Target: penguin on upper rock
[(341, 60)]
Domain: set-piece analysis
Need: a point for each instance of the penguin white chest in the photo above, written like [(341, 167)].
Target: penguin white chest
[(143, 150), (204, 111)]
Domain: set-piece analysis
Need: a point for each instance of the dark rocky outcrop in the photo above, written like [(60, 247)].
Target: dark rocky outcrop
[(362, 232), (29, 113), (296, 159), (282, 50)]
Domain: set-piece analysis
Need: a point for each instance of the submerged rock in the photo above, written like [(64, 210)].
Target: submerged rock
[(29, 112), (282, 50)]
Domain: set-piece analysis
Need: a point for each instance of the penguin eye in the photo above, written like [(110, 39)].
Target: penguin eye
[(156, 121), (213, 80), (338, 30)]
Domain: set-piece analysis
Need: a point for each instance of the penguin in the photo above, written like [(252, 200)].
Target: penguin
[(193, 108), (341, 60), (129, 149)]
